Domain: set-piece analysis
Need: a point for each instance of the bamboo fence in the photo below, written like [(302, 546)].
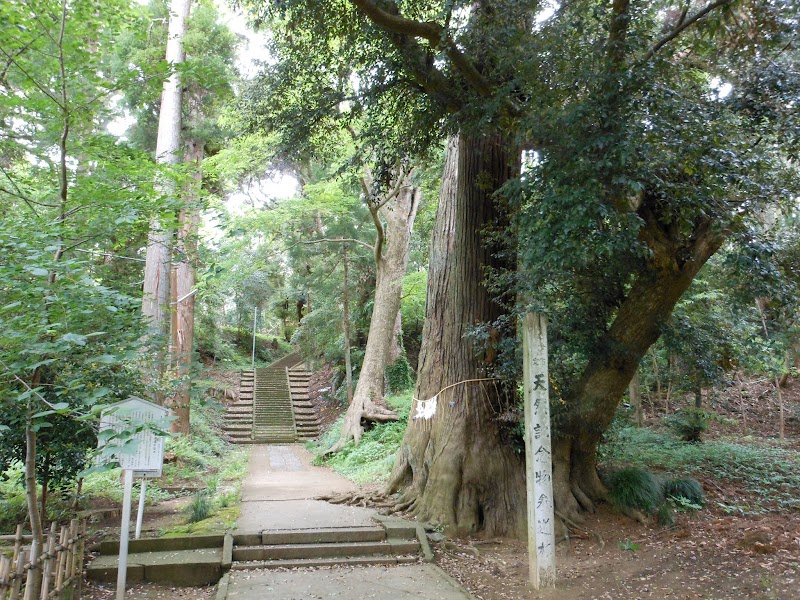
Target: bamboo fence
[(59, 568)]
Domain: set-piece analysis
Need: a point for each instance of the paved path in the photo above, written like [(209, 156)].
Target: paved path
[(279, 490), (278, 494)]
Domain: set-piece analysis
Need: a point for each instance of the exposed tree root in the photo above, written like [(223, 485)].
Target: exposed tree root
[(585, 531), (353, 427), (384, 504)]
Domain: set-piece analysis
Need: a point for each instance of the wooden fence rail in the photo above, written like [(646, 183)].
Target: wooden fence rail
[(60, 567)]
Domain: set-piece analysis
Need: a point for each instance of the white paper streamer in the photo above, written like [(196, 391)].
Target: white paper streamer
[(426, 409)]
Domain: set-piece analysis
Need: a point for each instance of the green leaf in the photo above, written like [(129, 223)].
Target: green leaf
[(105, 359), (98, 468), (74, 338)]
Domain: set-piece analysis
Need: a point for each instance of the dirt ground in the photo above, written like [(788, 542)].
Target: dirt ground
[(705, 556), (709, 555)]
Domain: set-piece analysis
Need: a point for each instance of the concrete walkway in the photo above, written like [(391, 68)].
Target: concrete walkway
[(278, 494)]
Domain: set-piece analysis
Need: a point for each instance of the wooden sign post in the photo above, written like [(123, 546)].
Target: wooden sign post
[(538, 453)]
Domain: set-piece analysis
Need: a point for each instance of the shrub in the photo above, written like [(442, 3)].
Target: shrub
[(633, 488), (13, 502), (688, 489), (200, 507), (689, 424), (399, 375), (769, 476)]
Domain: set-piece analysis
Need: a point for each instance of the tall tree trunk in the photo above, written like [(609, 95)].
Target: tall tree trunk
[(457, 469), (185, 279), (592, 401), (156, 294), (348, 363), (391, 264)]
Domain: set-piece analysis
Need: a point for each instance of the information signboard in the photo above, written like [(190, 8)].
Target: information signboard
[(144, 452)]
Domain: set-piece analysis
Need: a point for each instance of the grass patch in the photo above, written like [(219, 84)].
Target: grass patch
[(769, 476), (635, 488), (372, 460), (221, 521)]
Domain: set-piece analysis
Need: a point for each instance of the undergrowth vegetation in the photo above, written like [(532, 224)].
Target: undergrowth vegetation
[(758, 478), (371, 461), (203, 458)]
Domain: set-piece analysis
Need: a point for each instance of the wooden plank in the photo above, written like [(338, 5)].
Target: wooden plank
[(538, 454)]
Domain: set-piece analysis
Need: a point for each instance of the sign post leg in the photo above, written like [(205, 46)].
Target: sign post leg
[(124, 534), (538, 454), (140, 512)]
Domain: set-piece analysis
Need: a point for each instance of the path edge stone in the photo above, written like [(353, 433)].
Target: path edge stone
[(222, 587)]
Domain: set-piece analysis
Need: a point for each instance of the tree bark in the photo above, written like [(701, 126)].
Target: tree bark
[(348, 364), (156, 293), (185, 279), (391, 263), (456, 469)]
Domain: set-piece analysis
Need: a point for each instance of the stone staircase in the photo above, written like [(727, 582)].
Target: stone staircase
[(273, 406), (238, 423), (273, 416), (385, 544), (305, 416)]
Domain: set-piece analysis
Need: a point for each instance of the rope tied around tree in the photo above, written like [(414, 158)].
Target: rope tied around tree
[(426, 409)]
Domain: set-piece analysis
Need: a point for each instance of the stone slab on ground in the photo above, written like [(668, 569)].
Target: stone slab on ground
[(176, 567), (376, 583), (300, 514), (279, 488), (285, 472)]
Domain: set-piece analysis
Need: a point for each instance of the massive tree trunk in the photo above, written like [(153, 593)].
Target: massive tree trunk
[(457, 469), (592, 401), (156, 293), (391, 263), (185, 279)]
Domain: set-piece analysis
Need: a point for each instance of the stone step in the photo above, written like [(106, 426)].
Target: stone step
[(322, 535), (324, 562), (268, 430), (324, 550)]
